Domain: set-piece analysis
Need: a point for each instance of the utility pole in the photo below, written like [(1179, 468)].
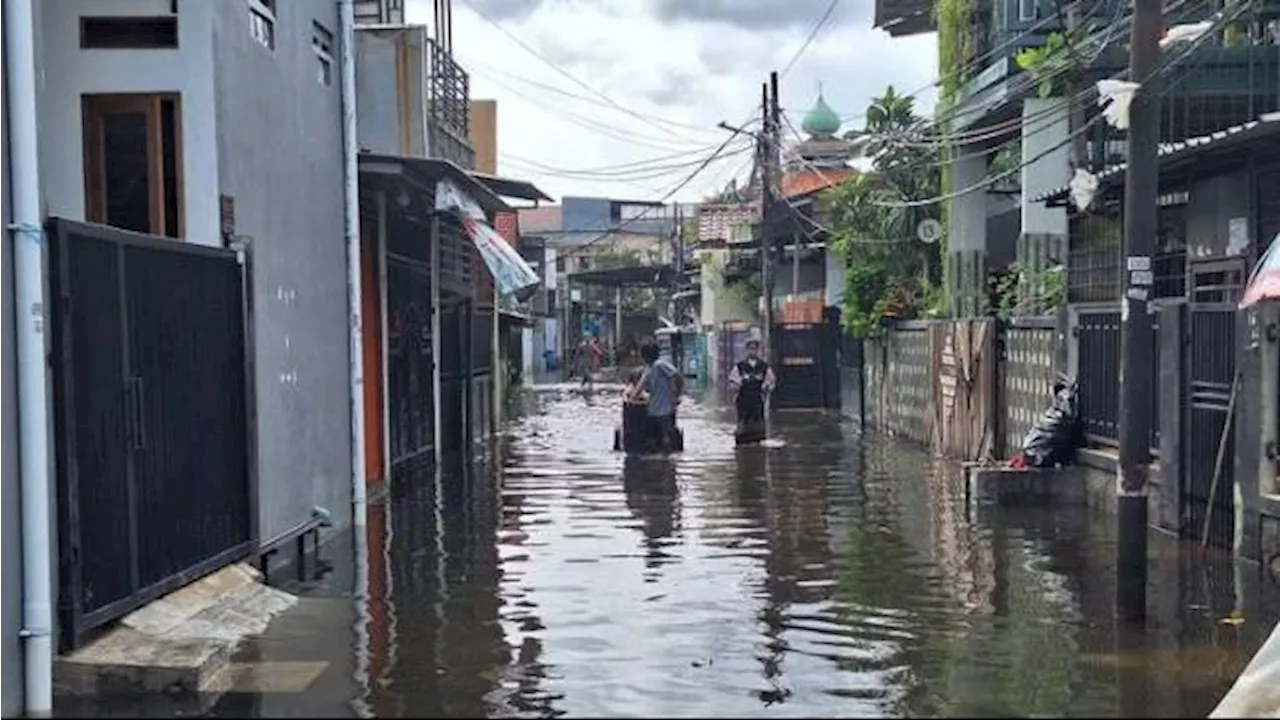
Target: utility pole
[(1136, 342), (678, 264), (766, 204), (769, 180)]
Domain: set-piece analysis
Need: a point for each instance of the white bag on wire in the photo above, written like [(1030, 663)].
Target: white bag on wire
[(1114, 97)]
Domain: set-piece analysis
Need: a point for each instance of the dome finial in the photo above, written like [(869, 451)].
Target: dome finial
[(821, 121)]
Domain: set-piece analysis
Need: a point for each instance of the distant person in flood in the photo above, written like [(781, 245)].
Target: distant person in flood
[(751, 381), (586, 359), (664, 385)]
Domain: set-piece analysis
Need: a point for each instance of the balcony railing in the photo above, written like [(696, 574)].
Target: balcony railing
[(448, 104)]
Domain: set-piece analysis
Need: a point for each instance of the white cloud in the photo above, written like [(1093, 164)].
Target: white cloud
[(692, 71)]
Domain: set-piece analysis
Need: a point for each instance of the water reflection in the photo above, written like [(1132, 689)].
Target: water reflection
[(825, 577)]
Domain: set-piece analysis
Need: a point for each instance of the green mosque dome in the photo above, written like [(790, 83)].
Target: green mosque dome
[(821, 121)]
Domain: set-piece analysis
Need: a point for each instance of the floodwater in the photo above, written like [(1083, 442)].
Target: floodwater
[(827, 576)]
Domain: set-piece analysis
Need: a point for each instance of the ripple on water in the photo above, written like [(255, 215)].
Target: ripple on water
[(818, 576)]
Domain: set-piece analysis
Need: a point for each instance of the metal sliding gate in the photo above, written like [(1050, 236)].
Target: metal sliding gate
[(151, 421), (1212, 370), (800, 366)]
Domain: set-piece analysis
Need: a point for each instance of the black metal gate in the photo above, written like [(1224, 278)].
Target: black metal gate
[(1211, 370), (151, 419), (800, 364), (410, 364), (1211, 366)]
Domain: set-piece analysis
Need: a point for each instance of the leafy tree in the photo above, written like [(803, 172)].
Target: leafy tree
[(887, 271)]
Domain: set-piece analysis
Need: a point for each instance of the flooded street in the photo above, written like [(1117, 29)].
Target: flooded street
[(829, 576)]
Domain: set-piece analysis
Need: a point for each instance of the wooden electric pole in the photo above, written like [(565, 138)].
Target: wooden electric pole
[(1136, 342)]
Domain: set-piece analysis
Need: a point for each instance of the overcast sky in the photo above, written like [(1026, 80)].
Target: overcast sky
[(670, 70)]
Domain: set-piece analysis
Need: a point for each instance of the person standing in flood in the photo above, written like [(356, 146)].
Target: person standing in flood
[(751, 381), (586, 359), (664, 386)]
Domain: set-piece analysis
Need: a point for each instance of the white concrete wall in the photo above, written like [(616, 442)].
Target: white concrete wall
[(70, 72), (967, 216), (835, 278), (1045, 129)]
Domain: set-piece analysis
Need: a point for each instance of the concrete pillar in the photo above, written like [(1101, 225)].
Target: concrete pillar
[(834, 279), (1045, 128), (1171, 331), (1042, 243), (967, 232)]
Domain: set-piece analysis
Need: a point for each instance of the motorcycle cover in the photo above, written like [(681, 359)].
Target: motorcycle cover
[(1056, 435)]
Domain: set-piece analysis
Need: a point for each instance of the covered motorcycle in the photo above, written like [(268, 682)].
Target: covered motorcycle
[(1057, 434)]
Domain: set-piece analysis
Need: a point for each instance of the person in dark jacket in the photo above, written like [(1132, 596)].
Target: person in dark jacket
[(663, 386), (751, 381)]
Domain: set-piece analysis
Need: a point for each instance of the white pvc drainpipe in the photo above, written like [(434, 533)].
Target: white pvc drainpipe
[(351, 179), (33, 375)]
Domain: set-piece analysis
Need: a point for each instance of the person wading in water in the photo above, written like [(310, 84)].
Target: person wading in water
[(586, 360), (751, 380), (664, 385)]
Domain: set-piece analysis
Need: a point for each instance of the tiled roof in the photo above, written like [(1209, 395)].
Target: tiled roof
[(810, 180)]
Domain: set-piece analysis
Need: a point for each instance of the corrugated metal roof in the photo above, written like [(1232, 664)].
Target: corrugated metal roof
[(904, 17), (1265, 126)]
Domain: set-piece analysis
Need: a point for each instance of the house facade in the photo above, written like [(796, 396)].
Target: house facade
[(1025, 134), (432, 338), (208, 72), (191, 168)]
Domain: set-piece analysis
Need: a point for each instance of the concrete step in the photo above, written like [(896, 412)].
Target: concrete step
[(177, 644)]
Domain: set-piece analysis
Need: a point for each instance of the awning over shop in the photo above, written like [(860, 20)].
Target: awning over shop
[(636, 276), (426, 172), (509, 188), (1265, 132), (511, 274), (471, 197)]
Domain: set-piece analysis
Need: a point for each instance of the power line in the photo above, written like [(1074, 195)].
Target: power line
[(491, 70), (534, 52), (642, 172), (592, 124), (667, 196), (1165, 66), (817, 28)]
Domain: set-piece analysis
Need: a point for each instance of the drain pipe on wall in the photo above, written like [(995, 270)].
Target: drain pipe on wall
[(33, 374), (351, 192)]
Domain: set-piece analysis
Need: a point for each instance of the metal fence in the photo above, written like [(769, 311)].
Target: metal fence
[(1030, 345), (1098, 374), (897, 381)]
